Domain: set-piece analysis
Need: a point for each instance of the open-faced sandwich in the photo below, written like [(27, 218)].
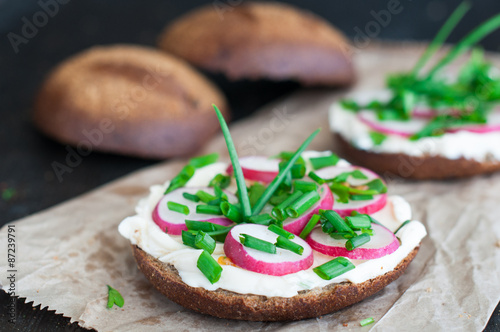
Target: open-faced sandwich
[(428, 125), (288, 237)]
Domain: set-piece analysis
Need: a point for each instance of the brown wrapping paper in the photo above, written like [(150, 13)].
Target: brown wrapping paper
[(68, 254)]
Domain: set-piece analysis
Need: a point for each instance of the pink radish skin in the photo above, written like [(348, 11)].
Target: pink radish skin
[(393, 127), (258, 168), (296, 225), (383, 242), (365, 207), (174, 222), (282, 263), (423, 113)]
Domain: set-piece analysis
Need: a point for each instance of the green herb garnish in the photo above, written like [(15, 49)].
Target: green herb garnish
[(367, 321), (257, 244), (281, 175), (114, 297), (238, 173), (334, 268), (209, 267), (463, 101), (177, 207)]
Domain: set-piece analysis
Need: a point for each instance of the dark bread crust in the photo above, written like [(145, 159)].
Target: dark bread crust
[(420, 168), (130, 100), (262, 40), (230, 305)]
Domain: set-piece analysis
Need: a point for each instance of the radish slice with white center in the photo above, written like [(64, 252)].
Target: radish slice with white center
[(393, 127), (383, 242), (365, 206), (296, 225), (282, 263), (174, 222), (492, 125), (258, 168)]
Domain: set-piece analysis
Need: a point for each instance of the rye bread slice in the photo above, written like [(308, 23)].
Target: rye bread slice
[(410, 167), (230, 305)]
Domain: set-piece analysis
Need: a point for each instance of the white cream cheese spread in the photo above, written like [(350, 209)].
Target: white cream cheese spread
[(452, 145), (141, 230)]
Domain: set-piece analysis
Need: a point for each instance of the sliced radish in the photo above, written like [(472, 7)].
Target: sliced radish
[(281, 263), (296, 225), (493, 124), (174, 222), (424, 113), (383, 242), (258, 168), (393, 127), (366, 206)]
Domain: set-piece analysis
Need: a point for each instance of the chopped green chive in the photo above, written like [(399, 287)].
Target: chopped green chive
[(261, 219), (297, 171), (195, 225), (336, 221), (204, 196), (357, 241), (304, 186), (377, 185), (204, 241), (257, 244), (191, 197), (220, 180), (209, 209), (209, 267), (441, 36), (367, 321), (219, 193), (377, 138), (281, 175), (341, 235), (177, 207), (368, 231), (279, 210), (316, 178), (342, 177), (321, 162), (402, 225), (302, 204), (231, 211), (255, 191), (205, 160), (334, 268), (189, 239), (281, 232), (309, 226), (238, 173), (361, 197), (359, 221), (341, 191), (114, 297), (181, 179), (284, 243), (278, 199)]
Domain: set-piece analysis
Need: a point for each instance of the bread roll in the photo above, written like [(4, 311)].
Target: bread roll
[(129, 100), (261, 41)]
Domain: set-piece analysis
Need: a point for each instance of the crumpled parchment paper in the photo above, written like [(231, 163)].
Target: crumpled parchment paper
[(67, 255)]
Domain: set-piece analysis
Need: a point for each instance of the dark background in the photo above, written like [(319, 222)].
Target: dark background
[(27, 181)]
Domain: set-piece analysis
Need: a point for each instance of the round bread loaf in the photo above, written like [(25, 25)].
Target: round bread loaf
[(226, 304), (130, 100), (261, 40), (413, 167)]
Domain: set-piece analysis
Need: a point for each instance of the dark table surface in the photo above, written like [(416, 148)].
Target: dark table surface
[(27, 181)]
